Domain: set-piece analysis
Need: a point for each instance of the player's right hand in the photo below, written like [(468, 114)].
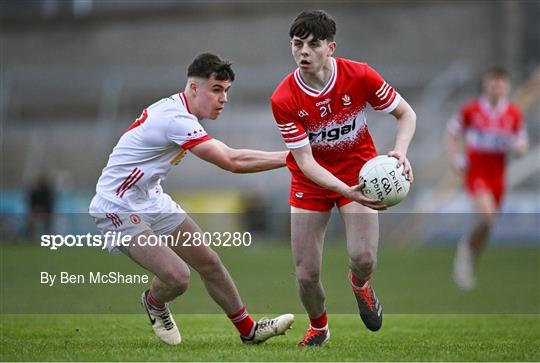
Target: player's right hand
[(356, 193)]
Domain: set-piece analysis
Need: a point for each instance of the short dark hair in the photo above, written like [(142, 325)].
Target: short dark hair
[(207, 64), (497, 72), (317, 22)]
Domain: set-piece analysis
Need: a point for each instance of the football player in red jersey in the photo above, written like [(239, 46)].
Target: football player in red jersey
[(320, 110), (492, 127)]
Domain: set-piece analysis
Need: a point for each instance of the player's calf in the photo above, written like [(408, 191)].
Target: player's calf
[(463, 271)]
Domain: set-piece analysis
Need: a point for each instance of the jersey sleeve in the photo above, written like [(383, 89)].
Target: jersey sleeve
[(293, 132), (380, 95), (456, 124), (186, 131), (519, 129), (459, 121)]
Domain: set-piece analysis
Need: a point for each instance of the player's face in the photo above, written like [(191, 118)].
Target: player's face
[(496, 88), (311, 55), (211, 97)]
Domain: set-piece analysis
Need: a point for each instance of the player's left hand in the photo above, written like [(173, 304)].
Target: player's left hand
[(402, 160), (520, 146)]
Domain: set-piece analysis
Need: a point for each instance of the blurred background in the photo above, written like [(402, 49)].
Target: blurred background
[(76, 73)]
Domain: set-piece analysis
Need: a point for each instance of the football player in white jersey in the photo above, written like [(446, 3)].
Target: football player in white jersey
[(130, 200)]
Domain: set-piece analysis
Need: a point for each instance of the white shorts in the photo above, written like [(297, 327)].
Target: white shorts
[(165, 216)]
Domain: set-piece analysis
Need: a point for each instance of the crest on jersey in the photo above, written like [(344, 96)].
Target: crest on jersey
[(135, 219), (303, 113), (346, 99)]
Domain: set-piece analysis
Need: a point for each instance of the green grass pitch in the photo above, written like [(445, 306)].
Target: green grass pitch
[(210, 338), (426, 317)]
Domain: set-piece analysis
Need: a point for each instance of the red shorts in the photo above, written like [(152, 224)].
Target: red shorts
[(479, 184), (321, 202)]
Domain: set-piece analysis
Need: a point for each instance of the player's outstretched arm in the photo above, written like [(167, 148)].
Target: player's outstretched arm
[(314, 171), (406, 124), (239, 160)]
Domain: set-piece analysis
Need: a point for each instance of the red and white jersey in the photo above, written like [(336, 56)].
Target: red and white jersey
[(145, 153), (333, 120), (490, 132)]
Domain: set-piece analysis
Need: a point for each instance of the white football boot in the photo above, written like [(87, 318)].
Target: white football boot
[(162, 322), (464, 266), (268, 328)]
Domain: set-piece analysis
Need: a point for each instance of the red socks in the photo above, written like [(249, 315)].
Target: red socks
[(243, 322), (320, 323), (153, 303), (356, 282)]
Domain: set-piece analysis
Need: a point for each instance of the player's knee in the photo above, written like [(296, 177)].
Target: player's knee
[(363, 262), (306, 278), (177, 279), (486, 220), (211, 265)]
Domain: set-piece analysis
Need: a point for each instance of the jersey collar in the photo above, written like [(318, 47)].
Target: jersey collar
[(183, 99), (312, 91), (493, 110)]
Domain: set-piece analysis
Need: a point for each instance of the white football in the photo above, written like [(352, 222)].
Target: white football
[(383, 180)]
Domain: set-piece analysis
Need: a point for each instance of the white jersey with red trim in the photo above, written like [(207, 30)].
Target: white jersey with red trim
[(145, 153), (332, 120)]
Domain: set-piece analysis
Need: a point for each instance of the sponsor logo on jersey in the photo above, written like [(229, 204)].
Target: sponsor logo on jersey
[(331, 134), (299, 195), (489, 140), (303, 113), (323, 102), (346, 99)]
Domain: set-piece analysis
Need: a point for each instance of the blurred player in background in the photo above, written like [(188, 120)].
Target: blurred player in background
[(130, 199), (320, 110), (41, 198), (492, 128)]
